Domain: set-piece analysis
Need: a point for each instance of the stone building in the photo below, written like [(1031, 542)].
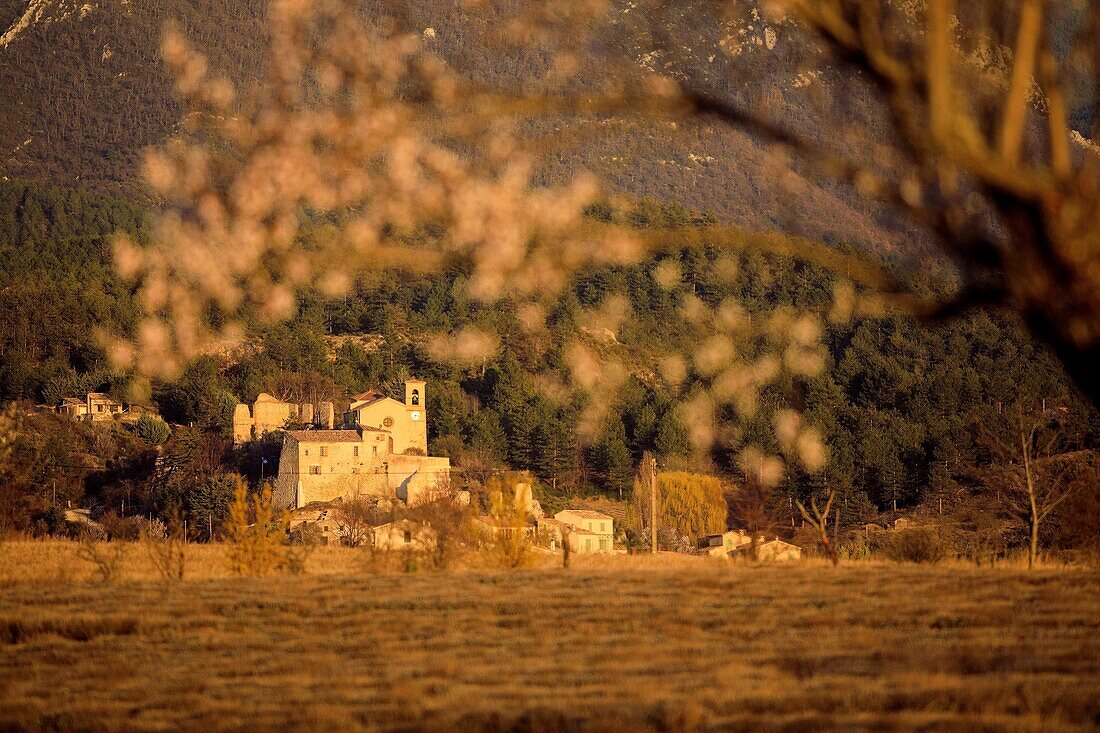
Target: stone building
[(380, 452), (405, 424), (402, 534), (95, 407), (773, 550), (721, 545), (269, 414), (778, 550), (588, 532)]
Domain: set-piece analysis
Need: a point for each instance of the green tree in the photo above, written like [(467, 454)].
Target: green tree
[(611, 458), (152, 429)]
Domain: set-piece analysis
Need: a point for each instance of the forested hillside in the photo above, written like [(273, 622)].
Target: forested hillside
[(898, 402), (87, 93)]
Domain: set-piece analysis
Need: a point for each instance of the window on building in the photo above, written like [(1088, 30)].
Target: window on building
[(375, 449), (355, 451), (416, 397), (408, 536), (605, 545), (315, 470), (324, 450), (603, 528), (307, 451), (588, 544)]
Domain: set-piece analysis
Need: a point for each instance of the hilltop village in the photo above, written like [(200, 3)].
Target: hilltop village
[(365, 462), (374, 451)]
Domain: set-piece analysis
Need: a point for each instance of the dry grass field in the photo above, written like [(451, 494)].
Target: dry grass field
[(619, 644)]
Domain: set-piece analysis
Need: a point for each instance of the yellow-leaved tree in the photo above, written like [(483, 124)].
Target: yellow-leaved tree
[(255, 532), (689, 505)]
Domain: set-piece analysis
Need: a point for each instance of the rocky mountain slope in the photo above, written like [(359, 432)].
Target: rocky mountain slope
[(86, 93)]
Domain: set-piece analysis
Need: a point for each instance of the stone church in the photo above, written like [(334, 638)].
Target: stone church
[(380, 450)]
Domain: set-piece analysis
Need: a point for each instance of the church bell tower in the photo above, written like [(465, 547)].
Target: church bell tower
[(415, 404)]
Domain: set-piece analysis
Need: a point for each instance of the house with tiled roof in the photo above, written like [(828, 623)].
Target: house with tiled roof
[(586, 531), (96, 406)]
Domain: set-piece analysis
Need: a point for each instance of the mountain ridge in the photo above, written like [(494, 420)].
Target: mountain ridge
[(91, 95)]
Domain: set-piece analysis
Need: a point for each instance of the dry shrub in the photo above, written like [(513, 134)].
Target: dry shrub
[(105, 556), (856, 547), (303, 543), (166, 550), (355, 517), (117, 527), (915, 545), (254, 532), (449, 532)]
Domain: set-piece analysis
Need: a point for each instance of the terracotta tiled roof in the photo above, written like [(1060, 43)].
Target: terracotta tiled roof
[(325, 436), (585, 532), (370, 394), (585, 513)]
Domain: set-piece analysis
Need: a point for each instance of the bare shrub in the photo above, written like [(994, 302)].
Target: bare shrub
[(447, 531), (105, 556), (166, 549), (123, 528), (355, 518), (915, 545), (752, 506), (303, 543)]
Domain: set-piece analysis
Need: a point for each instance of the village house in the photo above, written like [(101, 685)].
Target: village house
[(773, 550), (778, 551), (402, 534), (319, 516), (588, 532), (73, 407), (737, 542), (388, 460), (95, 407), (269, 414), (721, 545), (493, 527)]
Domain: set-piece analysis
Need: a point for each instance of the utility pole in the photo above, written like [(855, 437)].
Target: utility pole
[(653, 502)]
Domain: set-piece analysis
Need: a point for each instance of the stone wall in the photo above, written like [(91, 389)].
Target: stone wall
[(269, 414)]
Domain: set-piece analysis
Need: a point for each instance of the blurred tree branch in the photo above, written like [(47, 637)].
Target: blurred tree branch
[(1017, 210)]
